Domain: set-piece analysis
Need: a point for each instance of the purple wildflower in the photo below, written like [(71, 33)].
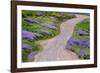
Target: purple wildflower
[(84, 52), (27, 34), (26, 46), (81, 44), (69, 46), (49, 26), (31, 55), (86, 44), (81, 52), (30, 35), (74, 41), (38, 35), (71, 43), (31, 20), (81, 32)]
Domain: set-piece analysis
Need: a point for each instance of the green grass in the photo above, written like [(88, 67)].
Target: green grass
[(84, 25), (76, 49), (41, 19)]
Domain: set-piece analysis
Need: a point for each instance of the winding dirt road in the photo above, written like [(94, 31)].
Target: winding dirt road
[(54, 49)]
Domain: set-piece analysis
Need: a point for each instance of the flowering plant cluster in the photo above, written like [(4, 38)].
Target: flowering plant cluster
[(80, 40)]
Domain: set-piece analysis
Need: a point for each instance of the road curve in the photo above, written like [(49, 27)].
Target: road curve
[(54, 49)]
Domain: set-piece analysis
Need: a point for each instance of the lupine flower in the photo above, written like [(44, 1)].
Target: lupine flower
[(71, 43), (26, 46), (69, 46), (49, 26), (31, 55), (27, 34), (81, 44), (31, 20), (84, 52), (38, 35), (30, 35), (75, 41), (78, 42), (43, 31), (81, 32)]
